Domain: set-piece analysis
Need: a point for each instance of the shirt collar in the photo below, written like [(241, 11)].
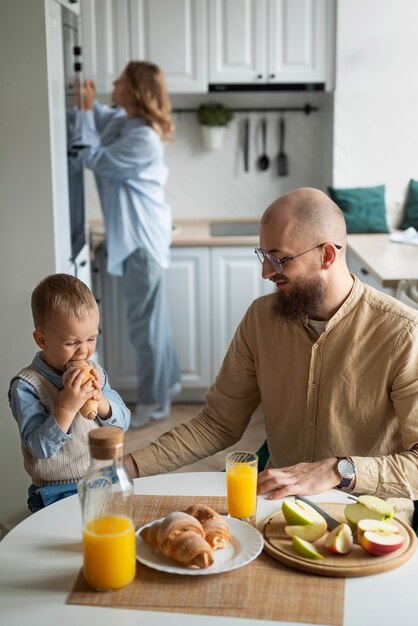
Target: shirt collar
[(40, 366)]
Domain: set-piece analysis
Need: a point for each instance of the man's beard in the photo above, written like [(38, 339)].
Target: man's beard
[(304, 300)]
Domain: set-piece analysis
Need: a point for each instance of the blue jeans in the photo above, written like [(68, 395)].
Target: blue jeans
[(40, 497)]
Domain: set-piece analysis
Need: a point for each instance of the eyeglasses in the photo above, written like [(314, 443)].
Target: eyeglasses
[(277, 264)]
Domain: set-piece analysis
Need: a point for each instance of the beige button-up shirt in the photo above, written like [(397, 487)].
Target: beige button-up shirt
[(353, 391)]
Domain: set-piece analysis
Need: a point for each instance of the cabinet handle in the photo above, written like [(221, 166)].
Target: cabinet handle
[(272, 75), (82, 263), (364, 271), (259, 76)]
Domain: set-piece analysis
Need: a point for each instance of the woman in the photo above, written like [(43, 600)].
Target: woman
[(126, 155)]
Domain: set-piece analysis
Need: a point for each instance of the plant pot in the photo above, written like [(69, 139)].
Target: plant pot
[(213, 137)]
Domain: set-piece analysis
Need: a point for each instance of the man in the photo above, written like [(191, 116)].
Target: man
[(333, 362)]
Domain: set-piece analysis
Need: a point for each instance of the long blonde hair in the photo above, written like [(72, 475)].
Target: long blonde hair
[(146, 84)]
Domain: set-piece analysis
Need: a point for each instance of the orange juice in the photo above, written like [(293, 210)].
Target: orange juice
[(109, 552), (241, 480)]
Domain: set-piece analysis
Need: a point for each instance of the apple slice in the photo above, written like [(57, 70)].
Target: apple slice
[(379, 538), (299, 513), (357, 511), (308, 532), (306, 549), (339, 540), (377, 505)]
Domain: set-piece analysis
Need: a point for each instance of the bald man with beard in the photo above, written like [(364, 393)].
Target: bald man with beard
[(333, 362)]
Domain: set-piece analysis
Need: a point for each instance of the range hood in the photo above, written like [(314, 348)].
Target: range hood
[(224, 87)]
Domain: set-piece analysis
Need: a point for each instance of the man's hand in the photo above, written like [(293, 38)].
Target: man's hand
[(303, 479), (131, 466)]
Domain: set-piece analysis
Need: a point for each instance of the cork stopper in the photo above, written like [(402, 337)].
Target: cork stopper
[(106, 442)]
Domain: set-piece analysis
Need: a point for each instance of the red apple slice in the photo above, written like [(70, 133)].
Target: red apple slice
[(339, 540), (379, 538)]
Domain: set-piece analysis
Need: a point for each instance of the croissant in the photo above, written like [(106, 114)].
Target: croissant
[(215, 526), (180, 537), (89, 408)]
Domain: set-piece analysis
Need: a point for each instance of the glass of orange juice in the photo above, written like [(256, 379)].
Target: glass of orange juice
[(241, 481)]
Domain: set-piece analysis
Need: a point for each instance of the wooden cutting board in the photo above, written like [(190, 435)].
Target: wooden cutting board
[(357, 563)]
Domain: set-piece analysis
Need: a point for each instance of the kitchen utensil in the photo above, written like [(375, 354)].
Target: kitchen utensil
[(246, 144), (357, 563), (331, 521), (263, 161), (282, 164)]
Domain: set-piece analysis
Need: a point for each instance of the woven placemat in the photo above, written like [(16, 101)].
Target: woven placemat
[(264, 589)]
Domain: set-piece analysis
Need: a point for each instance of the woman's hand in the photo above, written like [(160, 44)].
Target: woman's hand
[(89, 94), (303, 479)]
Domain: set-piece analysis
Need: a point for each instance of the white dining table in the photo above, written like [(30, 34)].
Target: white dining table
[(42, 556)]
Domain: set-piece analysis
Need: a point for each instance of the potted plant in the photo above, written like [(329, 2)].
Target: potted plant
[(214, 118)]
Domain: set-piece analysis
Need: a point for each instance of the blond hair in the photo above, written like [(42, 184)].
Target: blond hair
[(61, 294), (146, 84)]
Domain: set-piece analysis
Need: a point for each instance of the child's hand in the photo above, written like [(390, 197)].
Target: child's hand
[(72, 397), (104, 409)]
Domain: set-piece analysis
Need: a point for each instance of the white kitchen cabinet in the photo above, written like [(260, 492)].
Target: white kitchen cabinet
[(269, 41), (357, 267), (236, 282), (209, 290), (170, 33)]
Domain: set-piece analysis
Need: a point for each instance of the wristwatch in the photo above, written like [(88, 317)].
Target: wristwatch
[(346, 470)]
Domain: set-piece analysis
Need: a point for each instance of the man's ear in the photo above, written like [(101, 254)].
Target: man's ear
[(39, 338), (328, 256)]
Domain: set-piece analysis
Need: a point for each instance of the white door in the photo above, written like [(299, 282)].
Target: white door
[(237, 41), (236, 282), (297, 41), (189, 297), (105, 40), (172, 34)]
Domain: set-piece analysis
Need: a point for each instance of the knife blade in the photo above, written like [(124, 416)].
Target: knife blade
[(331, 521)]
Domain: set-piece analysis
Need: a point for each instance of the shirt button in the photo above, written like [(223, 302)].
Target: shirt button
[(63, 440), (113, 421), (315, 346), (307, 460), (313, 385), (310, 424)]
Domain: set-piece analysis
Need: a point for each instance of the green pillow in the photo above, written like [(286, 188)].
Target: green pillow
[(363, 207), (410, 215)]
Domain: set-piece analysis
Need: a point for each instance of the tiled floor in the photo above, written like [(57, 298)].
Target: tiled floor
[(251, 440)]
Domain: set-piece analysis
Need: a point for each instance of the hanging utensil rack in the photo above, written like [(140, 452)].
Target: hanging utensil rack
[(307, 109)]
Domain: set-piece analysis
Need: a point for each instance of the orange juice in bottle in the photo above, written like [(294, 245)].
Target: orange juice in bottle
[(108, 528)]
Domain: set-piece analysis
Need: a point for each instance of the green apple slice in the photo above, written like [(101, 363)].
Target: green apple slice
[(298, 513), (308, 532), (385, 509), (306, 549), (357, 511)]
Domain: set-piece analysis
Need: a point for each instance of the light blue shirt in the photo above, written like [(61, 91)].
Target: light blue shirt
[(127, 158), (39, 431)]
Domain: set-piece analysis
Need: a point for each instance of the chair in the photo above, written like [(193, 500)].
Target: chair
[(407, 293)]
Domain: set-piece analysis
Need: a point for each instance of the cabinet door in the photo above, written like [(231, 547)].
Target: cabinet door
[(297, 41), (237, 41), (106, 42), (172, 34), (236, 282), (189, 300), (356, 267)]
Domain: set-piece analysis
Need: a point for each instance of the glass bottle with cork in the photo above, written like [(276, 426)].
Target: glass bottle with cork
[(107, 507)]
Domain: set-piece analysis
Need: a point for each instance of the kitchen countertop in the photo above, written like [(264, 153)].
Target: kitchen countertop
[(190, 233), (388, 262)]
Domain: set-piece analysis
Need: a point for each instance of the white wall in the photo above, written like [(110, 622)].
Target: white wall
[(213, 184), (27, 248), (375, 108)]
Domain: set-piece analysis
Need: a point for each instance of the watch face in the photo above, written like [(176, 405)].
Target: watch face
[(345, 468)]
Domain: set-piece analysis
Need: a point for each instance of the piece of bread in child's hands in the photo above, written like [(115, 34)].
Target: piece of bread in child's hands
[(215, 526), (181, 537), (90, 407)]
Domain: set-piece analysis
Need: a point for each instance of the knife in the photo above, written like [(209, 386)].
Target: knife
[(331, 521)]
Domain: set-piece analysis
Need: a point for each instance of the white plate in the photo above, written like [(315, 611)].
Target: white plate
[(245, 545)]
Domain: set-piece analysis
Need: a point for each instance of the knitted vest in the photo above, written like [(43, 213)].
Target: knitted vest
[(70, 462)]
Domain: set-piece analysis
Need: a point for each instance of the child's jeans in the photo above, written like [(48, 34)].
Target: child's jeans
[(40, 497)]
